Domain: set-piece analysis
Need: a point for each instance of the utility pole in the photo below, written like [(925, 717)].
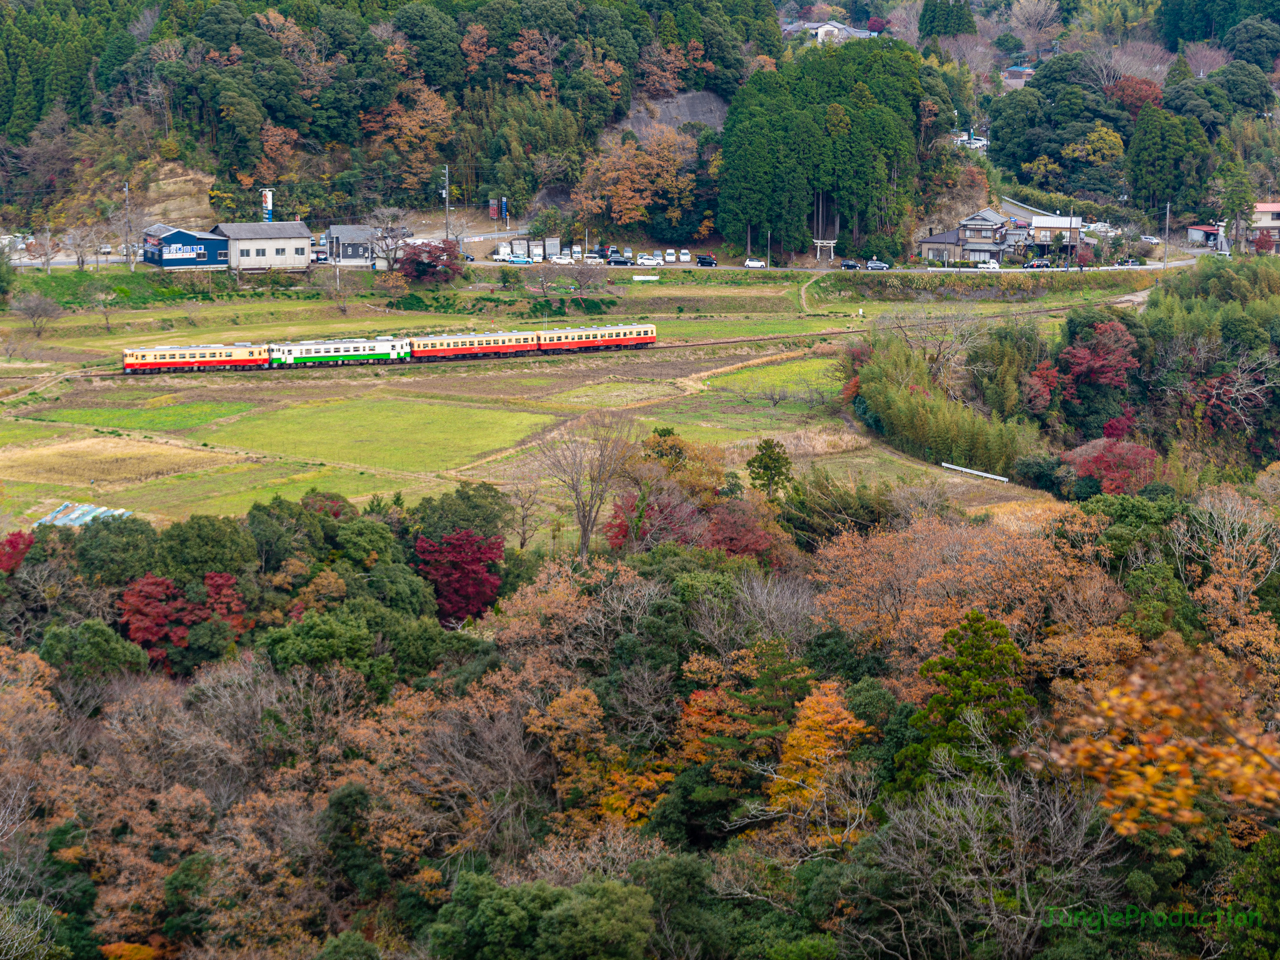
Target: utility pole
[(128, 231), (1166, 235), (445, 194), (768, 251)]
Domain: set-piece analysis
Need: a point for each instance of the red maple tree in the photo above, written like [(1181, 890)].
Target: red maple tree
[(1105, 360), (13, 550), (1133, 92), (157, 615), (1120, 467), (458, 567)]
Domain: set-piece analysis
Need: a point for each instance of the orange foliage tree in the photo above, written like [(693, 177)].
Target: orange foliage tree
[(627, 177), (415, 123)]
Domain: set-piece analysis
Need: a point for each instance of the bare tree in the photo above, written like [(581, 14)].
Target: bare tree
[(38, 310), (588, 463), (526, 501), (104, 297), (774, 393), (973, 50), (543, 275), (997, 857), (124, 224), (389, 232), (83, 241), (904, 21), (146, 21), (585, 276), (944, 340), (43, 248), (1035, 21), (1204, 58), (329, 283)]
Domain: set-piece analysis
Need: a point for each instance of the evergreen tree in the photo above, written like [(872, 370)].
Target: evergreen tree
[(25, 113), (1155, 155), (668, 32), (982, 676), (57, 81), (6, 90), (1180, 71), (929, 18), (960, 18)]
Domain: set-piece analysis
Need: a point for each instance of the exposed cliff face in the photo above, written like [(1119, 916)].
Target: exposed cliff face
[(179, 196), (700, 105), (967, 196)]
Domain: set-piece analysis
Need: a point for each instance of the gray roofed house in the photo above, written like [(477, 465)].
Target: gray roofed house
[(351, 243), (281, 230)]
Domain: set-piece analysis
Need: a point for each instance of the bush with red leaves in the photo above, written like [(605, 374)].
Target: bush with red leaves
[(13, 550), (736, 529), (1133, 93), (436, 262), (334, 504), (1120, 467), (1038, 387), (877, 25), (158, 617), (1104, 360), (458, 567), (668, 516), (1117, 428)]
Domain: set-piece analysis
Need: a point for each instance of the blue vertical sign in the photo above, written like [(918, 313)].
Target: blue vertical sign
[(504, 208)]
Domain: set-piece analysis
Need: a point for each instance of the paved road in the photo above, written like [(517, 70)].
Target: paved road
[(731, 266)]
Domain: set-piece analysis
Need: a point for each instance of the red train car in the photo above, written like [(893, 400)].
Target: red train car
[(630, 336), (460, 346), (210, 356)]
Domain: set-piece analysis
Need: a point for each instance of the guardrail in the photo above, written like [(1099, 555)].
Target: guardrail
[(976, 473)]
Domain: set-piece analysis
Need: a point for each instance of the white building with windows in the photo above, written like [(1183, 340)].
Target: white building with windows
[(267, 246)]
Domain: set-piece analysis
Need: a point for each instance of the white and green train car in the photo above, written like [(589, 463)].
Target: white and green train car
[(332, 353)]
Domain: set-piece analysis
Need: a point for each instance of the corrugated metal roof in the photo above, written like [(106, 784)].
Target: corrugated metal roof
[(1055, 223), (78, 514), (284, 230), (163, 230)]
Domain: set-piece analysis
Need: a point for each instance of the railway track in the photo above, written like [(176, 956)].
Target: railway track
[(683, 345)]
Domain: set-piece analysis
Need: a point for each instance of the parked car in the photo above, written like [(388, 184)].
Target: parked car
[(685, 256), (850, 265), (1037, 265), (1151, 240), (592, 259), (670, 256), (1128, 262), (645, 260), (988, 265), (518, 261), (562, 259), (621, 262), (706, 260), (877, 265), (613, 251), (626, 251), (104, 250), (320, 257), (753, 263)]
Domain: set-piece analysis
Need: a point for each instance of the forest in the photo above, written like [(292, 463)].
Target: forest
[(767, 714)]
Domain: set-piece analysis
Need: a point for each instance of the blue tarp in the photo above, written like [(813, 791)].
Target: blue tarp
[(78, 514)]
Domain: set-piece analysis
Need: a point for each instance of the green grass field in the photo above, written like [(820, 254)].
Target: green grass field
[(389, 433), (19, 431), (180, 416), (795, 373)]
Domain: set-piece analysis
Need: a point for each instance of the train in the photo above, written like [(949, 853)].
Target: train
[(377, 350)]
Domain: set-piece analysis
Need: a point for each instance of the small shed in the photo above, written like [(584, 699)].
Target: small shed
[(1203, 233)]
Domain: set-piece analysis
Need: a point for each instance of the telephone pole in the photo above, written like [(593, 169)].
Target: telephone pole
[(1166, 235), (445, 194), (128, 232)]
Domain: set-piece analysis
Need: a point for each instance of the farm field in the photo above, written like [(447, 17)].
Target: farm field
[(386, 433), (169, 446)]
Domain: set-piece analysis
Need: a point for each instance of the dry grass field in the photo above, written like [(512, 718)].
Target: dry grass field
[(104, 461)]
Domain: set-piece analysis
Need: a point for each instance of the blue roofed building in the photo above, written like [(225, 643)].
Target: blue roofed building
[(177, 248)]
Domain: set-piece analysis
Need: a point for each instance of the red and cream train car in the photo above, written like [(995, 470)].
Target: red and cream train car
[(522, 343), (211, 356)]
